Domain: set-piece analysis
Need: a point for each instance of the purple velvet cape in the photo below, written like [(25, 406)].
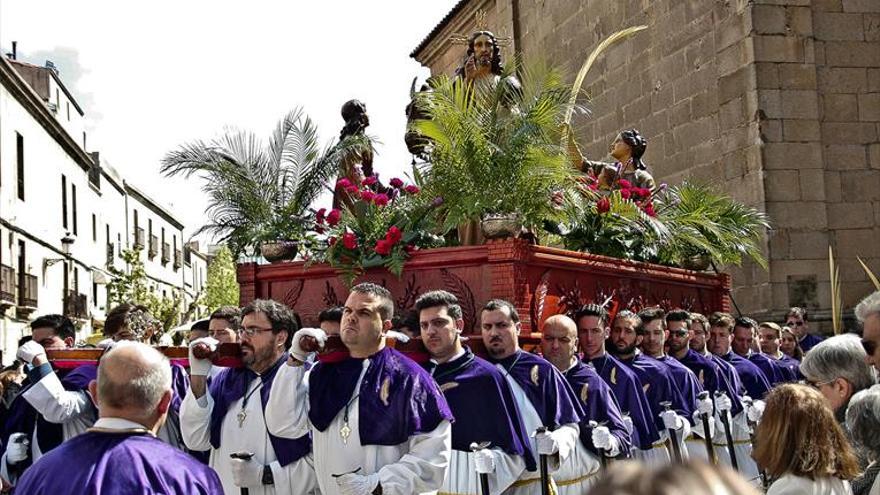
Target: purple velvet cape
[(229, 386), (483, 405), (659, 387), (792, 365), (599, 405), (686, 381), (774, 372), (753, 379), (809, 342), (714, 379), (396, 399), (103, 463), (627, 388)]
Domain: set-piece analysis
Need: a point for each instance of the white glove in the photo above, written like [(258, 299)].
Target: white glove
[(299, 353), (704, 406), (755, 411), (698, 425), (355, 484), (201, 367), (246, 473), (18, 448), (628, 423), (671, 420), (604, 440), (29, 351), (723, 403), (484, 460), (547, 445)]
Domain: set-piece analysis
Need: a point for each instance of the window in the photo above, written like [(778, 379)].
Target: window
[(19, 146), (94, 228), (64, 201), (73, 197)]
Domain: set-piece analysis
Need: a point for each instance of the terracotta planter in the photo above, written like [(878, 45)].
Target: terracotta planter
[(276, 251), (499, 226)]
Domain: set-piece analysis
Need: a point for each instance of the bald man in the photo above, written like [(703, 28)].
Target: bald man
[(609, 435), (120, 453)]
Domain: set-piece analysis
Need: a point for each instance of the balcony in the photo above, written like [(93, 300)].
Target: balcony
[(139, 238), (154, 247), (76, 305), (166, 253), (27, 294), (7, 287), (178, 256), (111, 253)]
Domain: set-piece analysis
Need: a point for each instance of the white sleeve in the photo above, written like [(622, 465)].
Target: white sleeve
[(296, 477), (508, 469), (195, 421), (287, 411), (423, 468), (57, 405), (566, 437)]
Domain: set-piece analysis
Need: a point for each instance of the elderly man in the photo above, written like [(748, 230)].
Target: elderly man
[(796, 319), (369, 436), (868, 313), (863, 423), (542, 394), (481, 400), (120, 453), (602, 429), (837, 368)]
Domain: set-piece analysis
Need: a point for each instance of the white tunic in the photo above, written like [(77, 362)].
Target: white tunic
[(195, 425), (790, 484), (742, 447), (415, 466), (462, 477), (529, 482)]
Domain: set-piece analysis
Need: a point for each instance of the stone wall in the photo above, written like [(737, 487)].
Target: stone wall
[(775, 101)]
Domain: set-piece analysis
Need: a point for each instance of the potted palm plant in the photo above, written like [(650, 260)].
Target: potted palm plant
[(259, 195)]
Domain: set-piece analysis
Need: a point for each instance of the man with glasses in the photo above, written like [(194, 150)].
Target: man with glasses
[(228, 416), (796, 319), (868, 313)]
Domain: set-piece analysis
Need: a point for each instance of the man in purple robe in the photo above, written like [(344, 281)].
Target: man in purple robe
[(796, 319), (544, 398), (479, 397), (227, 416), (120, 453), (699, 343), (592, 324), (769, 334), (379, 422), (602, 429), (745, 331), (753, 379)]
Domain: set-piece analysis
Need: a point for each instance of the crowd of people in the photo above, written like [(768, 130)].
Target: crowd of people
[(647, 402)]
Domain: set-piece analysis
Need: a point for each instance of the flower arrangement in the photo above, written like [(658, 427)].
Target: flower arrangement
[(376, 226)]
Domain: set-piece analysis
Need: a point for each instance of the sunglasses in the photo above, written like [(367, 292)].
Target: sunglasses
[(870, 346), (679, 333)]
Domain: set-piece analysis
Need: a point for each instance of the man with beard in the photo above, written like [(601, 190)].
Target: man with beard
[(627, 332), (602, 429), (744, 330), (480, 399), (592, 325), (369, 435), (227, 416), (699, 343), (544, 398), (653, 345), (769, 334)]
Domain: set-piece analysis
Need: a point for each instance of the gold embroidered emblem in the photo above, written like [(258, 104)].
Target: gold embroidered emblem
[(534, 374), (447, 386), (614, 376), (385, 390), (584, 392)]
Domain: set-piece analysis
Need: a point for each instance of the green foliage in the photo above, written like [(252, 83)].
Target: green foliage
[(496, 147), (222, 286), (262, 193), (130, 286)]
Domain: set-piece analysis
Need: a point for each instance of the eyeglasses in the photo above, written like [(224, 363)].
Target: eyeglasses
[(795, 324), (870, 346), (679, 333), (813, 384), (251, 331)]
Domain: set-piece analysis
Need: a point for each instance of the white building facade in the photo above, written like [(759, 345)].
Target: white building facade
[(65, 216)]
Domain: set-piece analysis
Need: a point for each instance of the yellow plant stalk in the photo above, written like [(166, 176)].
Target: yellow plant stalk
[(870, 274), (836, 304)]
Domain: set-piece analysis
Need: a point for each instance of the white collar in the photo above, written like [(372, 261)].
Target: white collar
[(118, 424), (453, 358)]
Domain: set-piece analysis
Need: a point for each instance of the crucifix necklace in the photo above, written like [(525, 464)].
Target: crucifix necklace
[(242, 414), (345, 431)]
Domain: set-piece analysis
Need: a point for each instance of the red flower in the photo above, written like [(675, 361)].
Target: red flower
[(367, 195), (343, 183), (380, 199), (603, 205), (393, 235), (319, 229), (333, 217), (649, 210), (369, 181), (352, 189), (349, 240), (395, 182), (593, 186), (412, 189), (331, 241), (383, 247), (624, 184), (319, 216), (625, 193)]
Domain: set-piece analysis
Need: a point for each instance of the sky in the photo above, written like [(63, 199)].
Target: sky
[(151, 76)]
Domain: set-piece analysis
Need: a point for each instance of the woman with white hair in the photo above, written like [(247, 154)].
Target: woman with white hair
[(836, 367), (863, 421)]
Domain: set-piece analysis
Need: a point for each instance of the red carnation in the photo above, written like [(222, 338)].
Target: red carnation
[(352, 189), (625, 193), (367, 195), (603, 205), (383, 247), (393, 235), (649, 210), (380, 199), (331, 241), (412, 189), (333, 217), (369, 181), (343, 183), (319, 216), (625, 184), (395, 182), (349, 240)]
